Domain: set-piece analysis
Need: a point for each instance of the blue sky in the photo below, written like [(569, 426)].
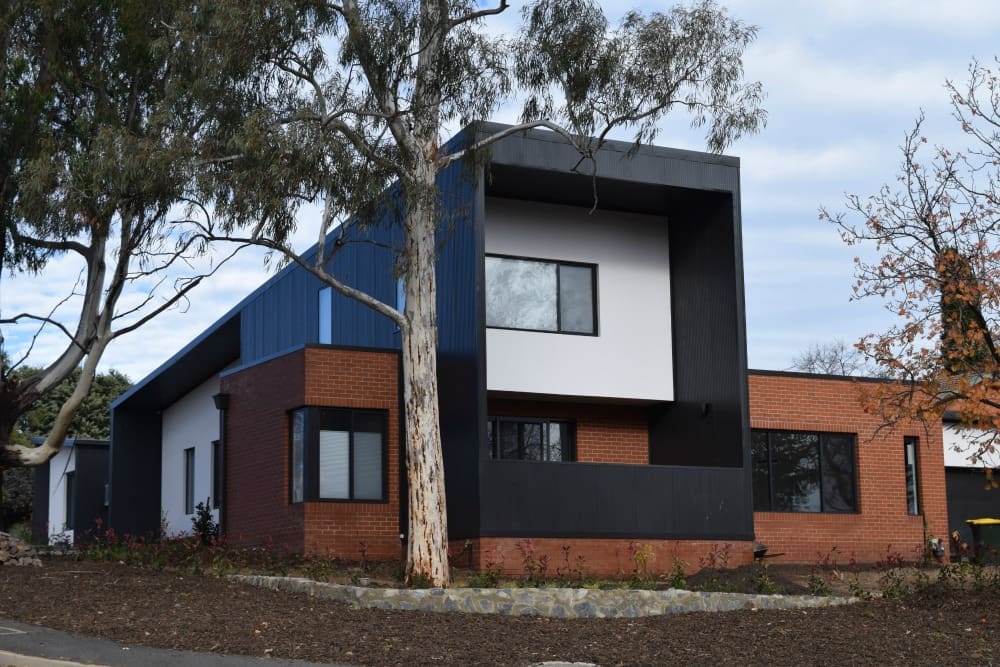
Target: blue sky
[(844, 80)]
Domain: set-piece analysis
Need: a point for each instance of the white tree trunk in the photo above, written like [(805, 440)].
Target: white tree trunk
[(427, 540)]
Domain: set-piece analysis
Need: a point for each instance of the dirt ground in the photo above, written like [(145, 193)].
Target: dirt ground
[(204, 613)]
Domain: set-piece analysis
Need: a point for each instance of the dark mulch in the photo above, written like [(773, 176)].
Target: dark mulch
[(202, 613)]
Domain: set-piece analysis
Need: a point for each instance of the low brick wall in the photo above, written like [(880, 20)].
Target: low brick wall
[(548, 602)]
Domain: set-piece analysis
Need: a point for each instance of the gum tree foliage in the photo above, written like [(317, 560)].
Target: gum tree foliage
[(95, 150), (353, 96), (937, 268)]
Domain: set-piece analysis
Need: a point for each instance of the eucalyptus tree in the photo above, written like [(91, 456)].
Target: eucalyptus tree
[(95, 153), (354, 96)]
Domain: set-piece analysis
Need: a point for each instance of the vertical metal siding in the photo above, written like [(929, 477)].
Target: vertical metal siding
[(135, 477)]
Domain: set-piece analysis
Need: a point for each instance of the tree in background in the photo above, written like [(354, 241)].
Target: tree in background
[(95, 151), (937, 267), (92, 421), (833, 358), (349, 97)]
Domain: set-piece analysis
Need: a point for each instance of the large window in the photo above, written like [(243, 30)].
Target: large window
[(338, 454), (910, 461), (530, 439), (795, 471), (540, 295)]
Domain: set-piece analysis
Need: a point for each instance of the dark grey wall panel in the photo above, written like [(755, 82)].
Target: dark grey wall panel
[(91, 476), (969, 498), (706, 423), (135, 477), (461, 378), (604, 500), (40, 505)]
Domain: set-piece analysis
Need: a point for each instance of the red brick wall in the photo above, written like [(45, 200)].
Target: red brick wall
[(258, 445), (601, 557), (356, 379), (257, 507), (802, 403), (604, 433)]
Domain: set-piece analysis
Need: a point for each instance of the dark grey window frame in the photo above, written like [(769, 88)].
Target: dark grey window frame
[(216, 472), (493, 422), (189, 471), (70, 480), (913, 505), (314, 417), (558, 263), (758, 506)]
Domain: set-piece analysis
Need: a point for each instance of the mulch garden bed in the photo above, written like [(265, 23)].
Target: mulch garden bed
[(204, 613)]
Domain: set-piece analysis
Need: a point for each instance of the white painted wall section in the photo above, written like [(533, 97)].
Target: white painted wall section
[(63, 462), (960, 444), (192, 421), (632, 355)]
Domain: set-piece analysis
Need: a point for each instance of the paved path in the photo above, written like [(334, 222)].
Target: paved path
[(25, 645)]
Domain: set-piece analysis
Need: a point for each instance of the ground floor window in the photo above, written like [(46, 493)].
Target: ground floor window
[(189, 480), (796, 471), (70, 500), (530, 439), (338, 454)]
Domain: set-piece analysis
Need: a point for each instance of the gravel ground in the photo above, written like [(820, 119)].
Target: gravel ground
[(203, 613)]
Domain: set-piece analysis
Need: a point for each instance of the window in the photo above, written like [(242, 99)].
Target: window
[(910, 460), (401, 293), (325, 316), (216, 473), (538, 295), (530, 439), (70, 500), (803, 472), (189, 480), (338, 454)]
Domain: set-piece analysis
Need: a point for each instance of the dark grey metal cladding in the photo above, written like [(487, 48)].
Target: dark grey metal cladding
[(705, 424), (40, 504), (136, 461), (608, 501), (969, 497), (461, 377), (91, 476)]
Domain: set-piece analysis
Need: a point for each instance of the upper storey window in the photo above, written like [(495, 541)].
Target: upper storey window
[(541, 295)]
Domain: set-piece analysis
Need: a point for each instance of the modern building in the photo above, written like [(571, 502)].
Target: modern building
[(592, 375)]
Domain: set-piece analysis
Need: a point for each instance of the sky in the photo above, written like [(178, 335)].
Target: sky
[(845, 80)]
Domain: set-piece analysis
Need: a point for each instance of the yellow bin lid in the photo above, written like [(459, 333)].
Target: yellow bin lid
[(983, 522)]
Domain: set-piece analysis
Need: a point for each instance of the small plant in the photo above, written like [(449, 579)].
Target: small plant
[(762, 582), (717, 557), (573, 571), (363, 550), (641, 556), (419, 580), (677, 578), (818, 585), (203, 523), (535, 566)]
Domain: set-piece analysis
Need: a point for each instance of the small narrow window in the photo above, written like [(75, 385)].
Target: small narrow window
[(400, 296), (216, 473), (325, 316), (910, 458), (189, 480), (70, 500), (298, 455)]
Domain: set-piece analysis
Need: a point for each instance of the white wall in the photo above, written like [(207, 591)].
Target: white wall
[(960, 443), (192, 421), (632, 357), (60, 464)]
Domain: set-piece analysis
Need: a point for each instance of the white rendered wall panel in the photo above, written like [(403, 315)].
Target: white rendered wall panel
[(60, 464), (192, 421), (632, 355), (961, 443)]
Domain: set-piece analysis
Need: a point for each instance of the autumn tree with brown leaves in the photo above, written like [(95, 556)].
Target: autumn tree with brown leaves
[(937, 267)]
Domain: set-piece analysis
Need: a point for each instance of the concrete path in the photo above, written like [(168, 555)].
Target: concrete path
[(25, 645)]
